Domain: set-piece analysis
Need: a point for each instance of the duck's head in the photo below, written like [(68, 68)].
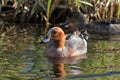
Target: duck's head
[(57, 35)]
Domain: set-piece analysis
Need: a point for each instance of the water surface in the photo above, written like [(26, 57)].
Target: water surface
[(22, 58)]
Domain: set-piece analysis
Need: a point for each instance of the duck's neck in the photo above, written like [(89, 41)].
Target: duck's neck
[(59, 43)]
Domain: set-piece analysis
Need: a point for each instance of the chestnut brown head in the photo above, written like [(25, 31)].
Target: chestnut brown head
[(57, 34)]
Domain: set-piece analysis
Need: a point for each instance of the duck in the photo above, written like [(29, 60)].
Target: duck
[(64, 45)]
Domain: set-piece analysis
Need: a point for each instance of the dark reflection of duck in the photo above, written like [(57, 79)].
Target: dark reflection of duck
[(59, 70), (58, 64), (66, 60)]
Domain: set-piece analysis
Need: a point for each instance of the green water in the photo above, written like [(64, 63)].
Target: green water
[(22, 58)]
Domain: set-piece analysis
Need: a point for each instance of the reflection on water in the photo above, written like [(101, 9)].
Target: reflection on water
[(22, 58), (66, 60), (59, 70), (58, 64)]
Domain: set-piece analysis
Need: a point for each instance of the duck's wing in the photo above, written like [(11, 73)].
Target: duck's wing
[(74, 41), (77, 43)]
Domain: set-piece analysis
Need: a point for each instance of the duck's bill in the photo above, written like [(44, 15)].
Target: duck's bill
[(46, 39)]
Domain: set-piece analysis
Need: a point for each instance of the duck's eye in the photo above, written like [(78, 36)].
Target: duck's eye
[(54, 32)]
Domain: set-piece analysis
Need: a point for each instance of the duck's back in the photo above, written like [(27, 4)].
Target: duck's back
[(77, 43)]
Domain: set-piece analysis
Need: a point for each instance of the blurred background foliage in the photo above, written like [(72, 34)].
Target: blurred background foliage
[(55, 11)]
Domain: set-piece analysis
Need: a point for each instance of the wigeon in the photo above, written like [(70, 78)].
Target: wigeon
[(62, 45)]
